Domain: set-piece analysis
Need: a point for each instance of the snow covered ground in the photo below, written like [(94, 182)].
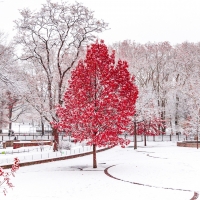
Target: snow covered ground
[(26, 154), (159, 171)]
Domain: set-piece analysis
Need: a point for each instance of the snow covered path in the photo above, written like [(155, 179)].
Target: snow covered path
[(159, 166)]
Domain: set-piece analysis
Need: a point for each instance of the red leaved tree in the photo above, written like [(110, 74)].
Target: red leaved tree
[(150, 127), (99, 101), (146, 127)]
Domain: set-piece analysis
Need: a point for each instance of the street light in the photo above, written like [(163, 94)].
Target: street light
[(197, 132)]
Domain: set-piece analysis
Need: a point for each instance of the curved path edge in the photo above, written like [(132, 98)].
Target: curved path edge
[(196, 194)]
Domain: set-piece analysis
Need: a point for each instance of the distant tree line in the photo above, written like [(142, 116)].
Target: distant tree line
[(36, 65)]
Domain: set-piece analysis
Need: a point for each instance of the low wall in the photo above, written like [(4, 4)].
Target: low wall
[(188, 144), (9, 143), (30, 143)]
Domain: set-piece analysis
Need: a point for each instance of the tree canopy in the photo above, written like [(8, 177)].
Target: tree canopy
[(100, 99)]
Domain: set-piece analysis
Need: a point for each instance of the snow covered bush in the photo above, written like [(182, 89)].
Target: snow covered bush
[(63, 145)]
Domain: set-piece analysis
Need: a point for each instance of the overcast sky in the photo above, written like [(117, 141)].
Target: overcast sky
[(143, 21)]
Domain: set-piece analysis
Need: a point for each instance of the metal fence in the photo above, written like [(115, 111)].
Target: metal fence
[(140, 138), (29, 137), (157, 138), (34, 154)]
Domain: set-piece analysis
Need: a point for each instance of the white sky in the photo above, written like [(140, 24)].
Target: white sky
[(175, 21)]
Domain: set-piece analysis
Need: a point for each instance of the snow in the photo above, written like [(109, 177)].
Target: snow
[(167, 172), (26, 154)]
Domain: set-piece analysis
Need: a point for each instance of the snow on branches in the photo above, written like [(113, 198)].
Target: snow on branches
[(100, 99)]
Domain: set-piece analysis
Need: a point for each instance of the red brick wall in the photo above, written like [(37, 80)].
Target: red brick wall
[(188, 144), (29, 144)]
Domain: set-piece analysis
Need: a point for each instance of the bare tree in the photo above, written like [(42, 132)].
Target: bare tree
[(52, 39), (151, 65), (11, 85)]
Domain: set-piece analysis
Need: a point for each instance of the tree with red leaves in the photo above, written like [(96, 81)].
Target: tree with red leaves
[(99, 101), (146, 127), (150, 127)]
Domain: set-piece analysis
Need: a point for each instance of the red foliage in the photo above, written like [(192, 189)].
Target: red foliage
[(6, 175), (100, 99), (148, 127)]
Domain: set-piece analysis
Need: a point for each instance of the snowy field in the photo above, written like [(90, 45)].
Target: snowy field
[(159, 171)]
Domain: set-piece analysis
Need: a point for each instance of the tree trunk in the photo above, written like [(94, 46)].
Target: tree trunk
[(56, 139), (163, 117), (42, 125), (94, 156), (176, 114), (10, 129), (10, 126), (10, 121), (145, 140)]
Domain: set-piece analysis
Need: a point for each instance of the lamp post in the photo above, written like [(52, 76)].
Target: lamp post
[(197, 132), (135, 134)]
